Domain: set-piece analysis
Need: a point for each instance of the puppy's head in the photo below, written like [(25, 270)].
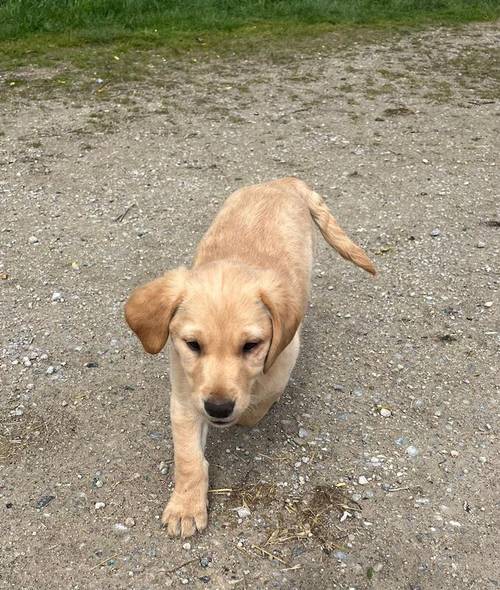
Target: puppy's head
[(227, 323)]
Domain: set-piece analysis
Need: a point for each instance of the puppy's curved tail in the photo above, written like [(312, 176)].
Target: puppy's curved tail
[(332, 232)]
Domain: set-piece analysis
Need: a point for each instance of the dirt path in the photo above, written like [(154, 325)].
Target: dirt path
[(377, 470)]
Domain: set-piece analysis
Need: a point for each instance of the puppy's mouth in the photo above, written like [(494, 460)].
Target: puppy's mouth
[(221, 423)]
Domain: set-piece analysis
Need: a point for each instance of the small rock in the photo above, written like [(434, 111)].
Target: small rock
[(130, 522), (186, 546), (454, 453), (482, 460), (378, 567), (91, 365), (435, 232), (99, 505), (243, 512), (454, 523), (340, 555), (385, 413), (44, 501), (337, 387), (362, 480), (480, 245), (19, 411), (205, 579), (412, 451), (205, 561), (120, 529), (303, 433), (50, 370), (57, 296), (488, 304), (33, 240), (356, 497)]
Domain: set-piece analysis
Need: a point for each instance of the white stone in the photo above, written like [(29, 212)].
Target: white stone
[(243, 512), (362, 480)]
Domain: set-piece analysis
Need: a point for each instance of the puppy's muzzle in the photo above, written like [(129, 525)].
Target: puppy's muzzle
[(219, 410)]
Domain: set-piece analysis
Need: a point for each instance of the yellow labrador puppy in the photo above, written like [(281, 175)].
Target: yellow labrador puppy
[(233, 321)]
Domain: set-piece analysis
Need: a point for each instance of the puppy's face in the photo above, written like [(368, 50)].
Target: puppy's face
[(228, 323), (221, 334)]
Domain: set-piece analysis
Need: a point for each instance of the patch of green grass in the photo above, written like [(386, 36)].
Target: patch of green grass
[(177, 23)]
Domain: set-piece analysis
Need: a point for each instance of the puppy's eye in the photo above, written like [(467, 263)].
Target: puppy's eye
[(249, 346), (193, 345)]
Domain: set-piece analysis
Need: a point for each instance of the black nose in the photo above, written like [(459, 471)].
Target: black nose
[(219, 409)]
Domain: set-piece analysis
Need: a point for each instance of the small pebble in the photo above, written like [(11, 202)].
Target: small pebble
[(50, 370), (454, 453), (186, 546), (435, 232), (120, 529), (205, 561), (480, 245), (130, 522), (303, 433), (99, 505), (412, 451), (377, 567), (385, 413), (44, 501), (56, 296), (488, 304), (33, 240), (362, 480), (340, 555), (243, 512)]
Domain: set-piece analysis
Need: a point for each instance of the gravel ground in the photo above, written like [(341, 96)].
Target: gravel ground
[(377, 469)]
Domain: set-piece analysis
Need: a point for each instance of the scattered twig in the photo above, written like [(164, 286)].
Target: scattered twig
[(269, 555), (103, 86), (181, 566), (122, 216), (397, 489), (297, 566), (103, 562)]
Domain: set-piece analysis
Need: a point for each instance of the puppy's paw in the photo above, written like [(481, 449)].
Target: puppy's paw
[(183, 515)]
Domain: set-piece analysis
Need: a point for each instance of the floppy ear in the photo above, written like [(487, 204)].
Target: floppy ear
[(150, 308), (286, 314)]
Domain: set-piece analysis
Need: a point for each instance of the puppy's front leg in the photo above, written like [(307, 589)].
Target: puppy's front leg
[(186, 510)]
